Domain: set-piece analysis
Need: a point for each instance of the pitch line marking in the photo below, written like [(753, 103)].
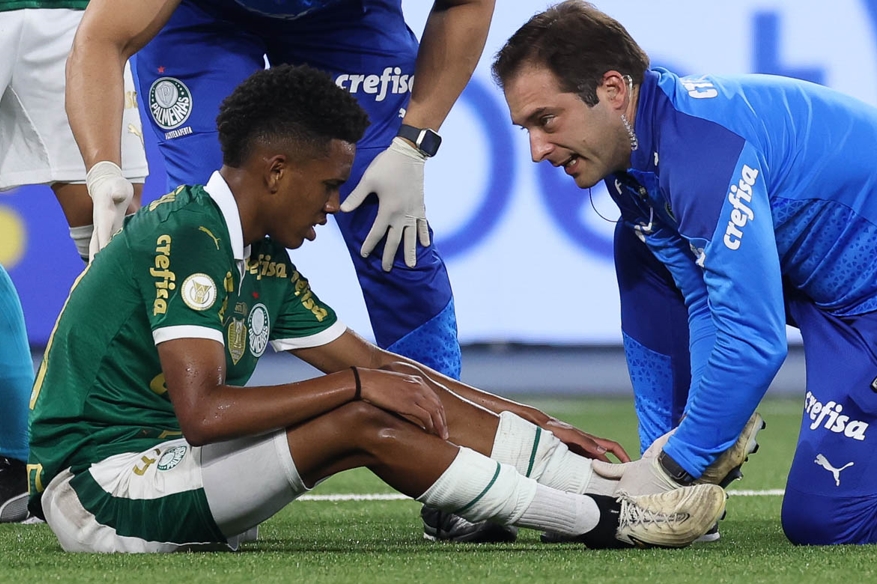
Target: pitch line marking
[(401, 497)]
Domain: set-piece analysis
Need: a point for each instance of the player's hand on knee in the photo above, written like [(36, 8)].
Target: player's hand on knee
[(641, 477), (586, 444), (111, 193), (396, 177), (409, 396)]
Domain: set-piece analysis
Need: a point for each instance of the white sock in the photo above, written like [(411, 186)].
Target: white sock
[(559, 512), (81, 236), (538, 454), (479, 488)]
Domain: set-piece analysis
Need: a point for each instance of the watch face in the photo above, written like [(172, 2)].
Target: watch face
[(426, 140)]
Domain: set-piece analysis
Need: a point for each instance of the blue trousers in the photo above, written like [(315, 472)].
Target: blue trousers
[(16, 373)]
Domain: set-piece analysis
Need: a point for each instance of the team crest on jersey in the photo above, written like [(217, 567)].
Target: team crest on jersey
[(199, 292), (171, 458), (259, 328), (170, 102), (237, 339)]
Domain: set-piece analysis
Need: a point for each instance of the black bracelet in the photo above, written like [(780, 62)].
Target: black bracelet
[(358, 393)]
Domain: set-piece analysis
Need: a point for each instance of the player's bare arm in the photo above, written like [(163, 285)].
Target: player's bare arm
[(210, 411), (110, 32), (452, 42)]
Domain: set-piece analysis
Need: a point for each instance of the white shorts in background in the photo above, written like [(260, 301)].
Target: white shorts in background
[(36, 143), (154, 501)]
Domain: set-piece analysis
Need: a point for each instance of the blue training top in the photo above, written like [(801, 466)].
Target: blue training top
[(741, 185)]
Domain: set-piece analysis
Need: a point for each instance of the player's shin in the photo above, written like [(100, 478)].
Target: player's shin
[(538, 454), (479, 488)]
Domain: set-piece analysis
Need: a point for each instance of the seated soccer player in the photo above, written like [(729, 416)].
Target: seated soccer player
[(143, 438)]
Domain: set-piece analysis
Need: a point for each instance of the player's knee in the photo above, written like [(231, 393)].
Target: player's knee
[(370, 427), (817, 520)]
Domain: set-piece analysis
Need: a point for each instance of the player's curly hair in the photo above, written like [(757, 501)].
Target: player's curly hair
[(577, 43), (298, 105)]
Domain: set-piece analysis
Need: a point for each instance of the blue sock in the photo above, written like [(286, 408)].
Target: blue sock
[(16, 373)]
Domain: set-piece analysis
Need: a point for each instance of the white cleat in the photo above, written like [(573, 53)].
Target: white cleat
[(672, 519), (726, 468)]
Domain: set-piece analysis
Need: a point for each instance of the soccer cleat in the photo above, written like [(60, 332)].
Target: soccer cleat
[(439, 525), (726, 468), (13, 490), (711, 535), (672, 519)]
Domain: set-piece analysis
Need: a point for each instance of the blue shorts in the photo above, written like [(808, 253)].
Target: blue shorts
[(209, 47), (831, 494)]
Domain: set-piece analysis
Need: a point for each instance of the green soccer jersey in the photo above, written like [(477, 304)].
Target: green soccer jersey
[(178, 269), (7, 5)]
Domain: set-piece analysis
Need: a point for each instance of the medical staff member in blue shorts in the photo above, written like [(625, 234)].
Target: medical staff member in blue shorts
[(199, 50), (757, 197)]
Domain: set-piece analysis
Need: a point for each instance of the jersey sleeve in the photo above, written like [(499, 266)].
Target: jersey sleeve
[(743, 284), (184, 278), (304, 320)]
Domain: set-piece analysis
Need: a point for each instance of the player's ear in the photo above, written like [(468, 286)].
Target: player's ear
[(276, 169)]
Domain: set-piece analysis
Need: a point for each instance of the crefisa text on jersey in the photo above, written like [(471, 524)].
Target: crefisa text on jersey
[(164, 278)]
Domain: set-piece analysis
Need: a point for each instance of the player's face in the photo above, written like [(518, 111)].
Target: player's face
[(587, 142), (310, 193)]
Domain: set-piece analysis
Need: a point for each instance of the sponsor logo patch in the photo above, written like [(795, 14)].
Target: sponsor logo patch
[(829, 417)]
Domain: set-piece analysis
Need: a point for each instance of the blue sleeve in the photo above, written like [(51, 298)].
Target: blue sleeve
[(744, 302)]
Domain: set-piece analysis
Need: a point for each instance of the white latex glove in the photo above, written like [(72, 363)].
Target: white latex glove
[(658, 445), (640, 477), (111, 193), (396, 176)]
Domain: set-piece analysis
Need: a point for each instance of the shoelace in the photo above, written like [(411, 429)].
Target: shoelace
[(632, 514)]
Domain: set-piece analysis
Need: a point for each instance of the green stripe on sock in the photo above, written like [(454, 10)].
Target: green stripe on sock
[(533, 453), (484, 492)]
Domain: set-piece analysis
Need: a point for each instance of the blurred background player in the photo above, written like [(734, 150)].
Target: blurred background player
[(16, 381), (37, 147), (759, 195), (36, 143), (199, 50)]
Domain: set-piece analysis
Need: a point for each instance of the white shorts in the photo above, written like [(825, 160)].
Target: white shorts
[(36, 143), (173, 497)]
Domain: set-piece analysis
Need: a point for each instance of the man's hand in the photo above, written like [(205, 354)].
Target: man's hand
[(586, 444), (396, 176), (641, 477), (406, 395), (111, 193)]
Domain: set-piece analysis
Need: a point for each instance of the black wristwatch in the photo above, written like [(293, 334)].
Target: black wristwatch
[(424, 139), (672, 468)]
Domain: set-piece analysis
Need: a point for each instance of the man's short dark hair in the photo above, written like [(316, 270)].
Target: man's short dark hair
[(578, 44), (296, 105)]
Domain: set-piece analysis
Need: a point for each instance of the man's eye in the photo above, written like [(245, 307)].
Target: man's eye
[(546, 120)]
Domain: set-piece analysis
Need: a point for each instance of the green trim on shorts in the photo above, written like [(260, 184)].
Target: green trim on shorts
[(533, 452), (7, 5), (466, 507), (178, 518)]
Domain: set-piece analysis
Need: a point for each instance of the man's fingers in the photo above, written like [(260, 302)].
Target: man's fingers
[(355, 198), (410, 245), (608, 470), (394, 236), (374, 236), (423, 232)]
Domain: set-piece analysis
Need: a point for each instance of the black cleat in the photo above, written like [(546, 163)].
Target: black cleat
[(13, 490), (440, 525)]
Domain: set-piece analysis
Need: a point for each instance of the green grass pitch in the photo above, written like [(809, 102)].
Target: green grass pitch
[(381, 541)]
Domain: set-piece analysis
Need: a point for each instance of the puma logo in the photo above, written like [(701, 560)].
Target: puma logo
[(823, 462)]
